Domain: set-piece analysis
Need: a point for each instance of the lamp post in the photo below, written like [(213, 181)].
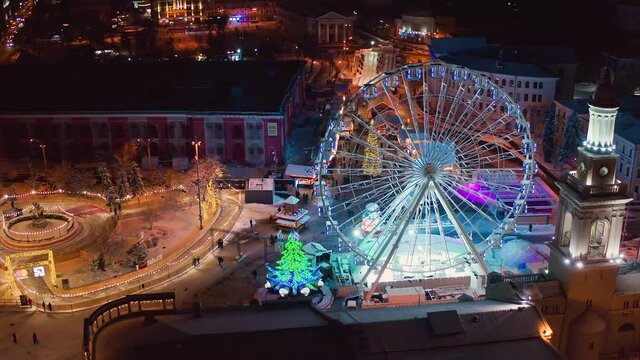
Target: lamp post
[(44, 154), (147, 143), (197, 144)]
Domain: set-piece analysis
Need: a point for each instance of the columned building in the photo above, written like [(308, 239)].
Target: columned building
[(332, 28)]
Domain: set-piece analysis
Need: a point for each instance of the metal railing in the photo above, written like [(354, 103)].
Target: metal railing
[(126, 307)]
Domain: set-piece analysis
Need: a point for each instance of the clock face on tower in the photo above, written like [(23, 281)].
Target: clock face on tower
[(604, 171)]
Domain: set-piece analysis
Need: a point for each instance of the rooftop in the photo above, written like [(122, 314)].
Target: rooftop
[(628, 127), (161, 86), (457, 45), (491, 328), (488, 65)]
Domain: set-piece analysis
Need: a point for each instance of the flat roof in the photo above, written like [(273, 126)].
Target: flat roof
[(261, 184), (149, 86), (490, 65)]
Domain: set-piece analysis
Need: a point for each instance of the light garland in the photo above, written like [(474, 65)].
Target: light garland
[(137, 277), (85, 193)]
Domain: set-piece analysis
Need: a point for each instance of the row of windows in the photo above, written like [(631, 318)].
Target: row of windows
[(218, 149), (636, 303), (527, 84)]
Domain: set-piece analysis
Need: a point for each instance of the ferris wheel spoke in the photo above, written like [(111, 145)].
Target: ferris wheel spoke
[(453, 109), (438, 114), (398, 113), (490, 184), (489, 129), (391, 165), (458, 227), (410, 99), (453, 190), (382, 202), (405, 157), (366, 145), (436, 210)]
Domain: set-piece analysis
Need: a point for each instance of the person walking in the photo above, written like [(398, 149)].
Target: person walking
[(49, 306), (220, 261), (220, 244), (251, 223), (15, 338), (35, 338), (530, 227), (44, 306)]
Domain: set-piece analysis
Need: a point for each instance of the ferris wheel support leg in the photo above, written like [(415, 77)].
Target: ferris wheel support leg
[(399, 233), (458, 227)]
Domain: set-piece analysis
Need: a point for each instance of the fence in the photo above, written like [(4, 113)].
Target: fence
[(143, 305)]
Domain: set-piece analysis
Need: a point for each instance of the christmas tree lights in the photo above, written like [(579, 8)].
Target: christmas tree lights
[(293, 274), (372, 163)]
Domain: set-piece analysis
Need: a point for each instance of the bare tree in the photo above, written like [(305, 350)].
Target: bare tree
[(151, 215)]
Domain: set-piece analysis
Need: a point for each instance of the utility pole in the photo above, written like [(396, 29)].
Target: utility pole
[(44, 154), (197, 144)]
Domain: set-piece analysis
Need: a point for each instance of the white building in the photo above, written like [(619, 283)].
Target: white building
[(533, 88), (368, 63)]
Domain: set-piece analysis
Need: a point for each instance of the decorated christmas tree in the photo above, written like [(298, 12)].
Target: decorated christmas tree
[(293, 274), (372, 162)]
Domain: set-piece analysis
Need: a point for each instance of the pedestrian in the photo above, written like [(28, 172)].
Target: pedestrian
[(30, 302), (35, 338), (15, 338), (44, 306), (198, 260), (49, 306), (220, 261), (530, 227), (185, 289), (220, 243), (279, 209), (250, 222)]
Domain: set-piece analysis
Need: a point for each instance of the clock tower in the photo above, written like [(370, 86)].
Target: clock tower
[(585, 254), (592, 200)]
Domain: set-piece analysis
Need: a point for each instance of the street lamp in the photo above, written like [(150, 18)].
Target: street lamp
[(44, 154), (197, 144), (147, 143)]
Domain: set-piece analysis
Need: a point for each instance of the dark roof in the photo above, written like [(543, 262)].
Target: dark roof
[(628, 104), (536, 54), (160, 86), (457, 45), (492, 327), (483, 64), (628, 127)]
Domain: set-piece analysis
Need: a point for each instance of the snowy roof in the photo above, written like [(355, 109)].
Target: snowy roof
[(489, 65), (315, 249), (299, 171), (260, 184), (292, 200), (628, 127)]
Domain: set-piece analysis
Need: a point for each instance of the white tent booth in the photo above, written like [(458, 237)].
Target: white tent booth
[(305, 175), (316, 253)]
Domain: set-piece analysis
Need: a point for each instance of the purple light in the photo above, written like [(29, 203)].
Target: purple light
[(474, 193)]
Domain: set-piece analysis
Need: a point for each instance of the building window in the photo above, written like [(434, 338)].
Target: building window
[(540, 98), (535, 85), (526, 97), (540, 85), (638, 175), (272, 129), (636, 303), (524, 112), (504, 82), (526, 84), (236, 132), (519, 83), (625, 305), (510, 83)]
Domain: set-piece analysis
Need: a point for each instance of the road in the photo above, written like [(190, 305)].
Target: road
[(206, 282)]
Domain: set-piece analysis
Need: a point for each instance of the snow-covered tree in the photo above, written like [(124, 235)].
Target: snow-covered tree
[(135, 181), (122, 184), (549, 133), (211, 199), (210, 170), (571, 138), (105, 178), (137, 254)]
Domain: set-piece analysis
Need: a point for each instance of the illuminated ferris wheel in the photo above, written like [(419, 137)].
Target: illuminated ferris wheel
[(427, 167)]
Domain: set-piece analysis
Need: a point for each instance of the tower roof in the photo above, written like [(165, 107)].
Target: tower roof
[(605, 96)]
